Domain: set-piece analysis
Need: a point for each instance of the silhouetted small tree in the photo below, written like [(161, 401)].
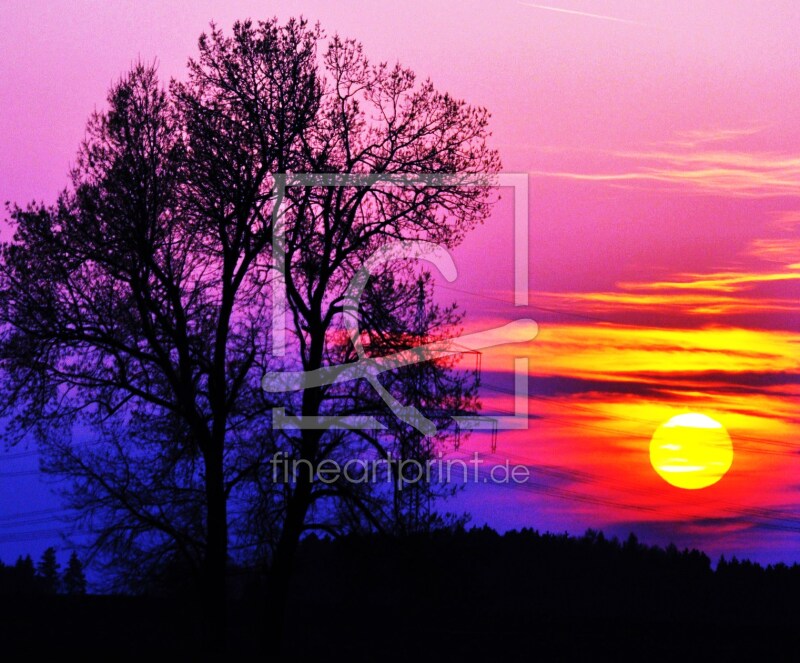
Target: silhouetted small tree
[(24, 567), (47, 570), (24, 580), (74, 580)]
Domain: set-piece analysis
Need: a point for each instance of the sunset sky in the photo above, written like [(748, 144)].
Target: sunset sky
[(662, 147)]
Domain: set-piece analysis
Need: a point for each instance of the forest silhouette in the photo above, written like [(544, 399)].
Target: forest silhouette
[(451, 594)]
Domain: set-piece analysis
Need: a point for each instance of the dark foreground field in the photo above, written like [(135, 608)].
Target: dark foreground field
[(463, 596)]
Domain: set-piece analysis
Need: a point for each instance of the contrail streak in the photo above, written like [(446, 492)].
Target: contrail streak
[(577, 13)]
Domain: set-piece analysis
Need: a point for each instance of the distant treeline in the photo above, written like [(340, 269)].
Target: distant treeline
[(45, 578), (476, 593), (486, 554), (450, 595)]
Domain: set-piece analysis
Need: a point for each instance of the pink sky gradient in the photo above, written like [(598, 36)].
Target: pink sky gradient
[(663, 149)]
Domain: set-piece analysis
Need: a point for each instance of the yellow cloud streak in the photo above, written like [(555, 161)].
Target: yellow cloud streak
[(681, 303), (613, 352), (721, 281)]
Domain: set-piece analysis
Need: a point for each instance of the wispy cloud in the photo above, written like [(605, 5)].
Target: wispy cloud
[(719, 174), (785, 220), (695, 161), (575, 12), (784, 250), (695, 137)]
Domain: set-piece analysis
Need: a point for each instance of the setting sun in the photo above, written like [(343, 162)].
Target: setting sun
[(691, 451)]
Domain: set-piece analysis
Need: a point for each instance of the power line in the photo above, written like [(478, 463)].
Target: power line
[(19, 473), (557, 311), (32, 521), (28, 514), (18, 454), (33, 535)]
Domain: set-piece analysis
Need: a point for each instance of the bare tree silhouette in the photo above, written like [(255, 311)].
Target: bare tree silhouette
[(136, 310)]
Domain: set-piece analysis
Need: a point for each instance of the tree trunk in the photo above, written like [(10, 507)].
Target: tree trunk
[(215, 598), (280, 571), (280, 574)]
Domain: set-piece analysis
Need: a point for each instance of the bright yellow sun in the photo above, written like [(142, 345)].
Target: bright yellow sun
[(691, 451)]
